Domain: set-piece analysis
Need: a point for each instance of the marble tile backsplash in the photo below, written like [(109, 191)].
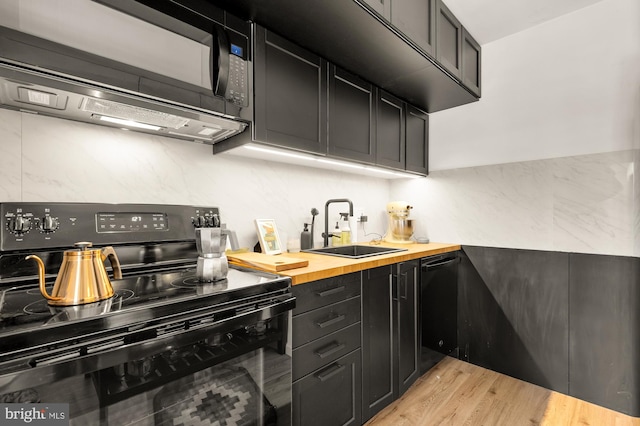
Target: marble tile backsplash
[(10, 156), (587, 204), (49, 159)]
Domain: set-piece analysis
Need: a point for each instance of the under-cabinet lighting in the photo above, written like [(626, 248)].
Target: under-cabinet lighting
[(309, 157), (340, 163), (129, 123), (281, 153)]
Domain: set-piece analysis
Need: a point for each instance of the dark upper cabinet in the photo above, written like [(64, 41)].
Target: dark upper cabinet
[(390, 131), (351, 117), (382, 7), (417, 140), (365, 37), (417, 20), (290, 94), (471, 64), (448, 39)]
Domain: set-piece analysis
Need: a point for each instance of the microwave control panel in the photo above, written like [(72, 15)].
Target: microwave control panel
[(237, 86)]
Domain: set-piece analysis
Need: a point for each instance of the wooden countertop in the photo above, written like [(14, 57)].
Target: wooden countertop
[(324, 266)]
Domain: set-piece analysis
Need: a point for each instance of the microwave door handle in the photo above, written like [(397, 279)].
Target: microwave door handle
[(221, 63)]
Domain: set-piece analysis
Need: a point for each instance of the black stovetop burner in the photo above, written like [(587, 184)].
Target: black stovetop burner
[(25, 307)]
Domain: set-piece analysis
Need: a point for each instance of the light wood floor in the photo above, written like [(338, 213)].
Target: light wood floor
[(458, 393)]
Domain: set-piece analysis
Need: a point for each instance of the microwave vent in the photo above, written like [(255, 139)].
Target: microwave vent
[(129, 112)]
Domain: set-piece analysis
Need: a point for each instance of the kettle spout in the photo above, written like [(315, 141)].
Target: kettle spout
[(43, 289)]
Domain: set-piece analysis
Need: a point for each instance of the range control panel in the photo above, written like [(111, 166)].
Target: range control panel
[(31, 226)]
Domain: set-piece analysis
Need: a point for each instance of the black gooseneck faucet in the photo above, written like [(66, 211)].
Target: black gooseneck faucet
[(325, 235)]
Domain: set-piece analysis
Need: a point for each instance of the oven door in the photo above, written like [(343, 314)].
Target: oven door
[(234, 371)]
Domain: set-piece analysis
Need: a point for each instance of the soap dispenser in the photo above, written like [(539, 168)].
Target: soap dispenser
[(345, 231), (305, 238), (336, 238)]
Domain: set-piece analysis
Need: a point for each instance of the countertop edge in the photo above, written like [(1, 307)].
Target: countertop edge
[(324, 266)]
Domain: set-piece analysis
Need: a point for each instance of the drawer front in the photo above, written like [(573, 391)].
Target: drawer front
[(325, 350), (331, 395), (325, 292), (320, 322)]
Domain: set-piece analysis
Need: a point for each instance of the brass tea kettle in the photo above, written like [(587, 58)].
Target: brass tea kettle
[(82, 277)]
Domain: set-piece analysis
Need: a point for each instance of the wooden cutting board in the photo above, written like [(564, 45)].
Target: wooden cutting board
[(271, 263)]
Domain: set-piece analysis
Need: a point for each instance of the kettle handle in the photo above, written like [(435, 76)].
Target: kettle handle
[(43, 289), (109, 252)]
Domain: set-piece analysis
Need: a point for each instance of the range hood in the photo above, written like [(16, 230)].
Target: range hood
[(138, 69), (35, 91)]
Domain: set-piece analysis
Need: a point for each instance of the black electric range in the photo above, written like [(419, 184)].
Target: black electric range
[(158, 304)]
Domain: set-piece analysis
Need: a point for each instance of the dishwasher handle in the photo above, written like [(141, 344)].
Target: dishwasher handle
[(439, 263)]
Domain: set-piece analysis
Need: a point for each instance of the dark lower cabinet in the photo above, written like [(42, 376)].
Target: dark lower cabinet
[(377, 341), (604, 340), (326, 362), (390, 347), (329, 396), (407, 325), (569, 322), (514, 313)]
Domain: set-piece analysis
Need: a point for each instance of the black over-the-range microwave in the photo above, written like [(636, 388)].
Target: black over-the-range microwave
[(225, 37), (181, 66)]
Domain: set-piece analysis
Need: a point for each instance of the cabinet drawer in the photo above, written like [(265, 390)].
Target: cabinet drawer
[(325, 292), (331, 395), (320, 322), (325, 350)]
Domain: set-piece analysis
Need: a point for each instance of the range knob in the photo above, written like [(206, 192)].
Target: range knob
[(49, 224), (200, 221), (213, 221), (19, 225)]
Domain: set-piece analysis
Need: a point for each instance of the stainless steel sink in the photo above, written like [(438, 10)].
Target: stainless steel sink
[(355, 251)]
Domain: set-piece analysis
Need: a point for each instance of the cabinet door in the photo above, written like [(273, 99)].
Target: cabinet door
[(470, 62), (290, 94), (417, 141), (604, 327), (417, 20), (448, 38), (407, 342), (329, 396), (390, 131), (377, 341), (382, 7), (351, 117)]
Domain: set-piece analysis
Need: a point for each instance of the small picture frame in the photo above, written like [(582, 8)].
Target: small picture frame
[(268, 236)]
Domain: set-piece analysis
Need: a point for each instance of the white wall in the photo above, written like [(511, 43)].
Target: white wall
[(567, 87), (49, 159), (548, 158)]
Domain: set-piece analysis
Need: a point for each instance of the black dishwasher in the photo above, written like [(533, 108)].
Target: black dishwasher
[(438, 308)]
